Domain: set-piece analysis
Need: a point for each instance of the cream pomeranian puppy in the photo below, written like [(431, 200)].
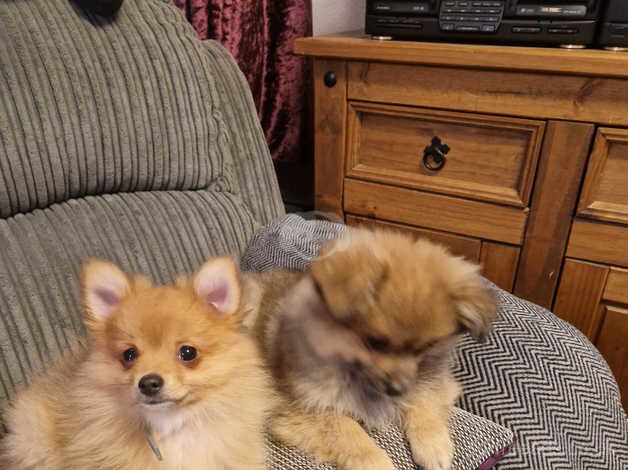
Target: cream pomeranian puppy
[(366, 336), (168, 381)]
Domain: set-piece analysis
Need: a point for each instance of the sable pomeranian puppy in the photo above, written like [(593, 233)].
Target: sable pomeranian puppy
[(168, 380), (367, 336)]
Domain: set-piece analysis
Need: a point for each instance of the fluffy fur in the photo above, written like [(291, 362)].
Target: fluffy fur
[(366, 336), (88, 412)]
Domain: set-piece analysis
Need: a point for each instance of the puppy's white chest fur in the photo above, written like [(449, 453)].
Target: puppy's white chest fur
[(189, 442)]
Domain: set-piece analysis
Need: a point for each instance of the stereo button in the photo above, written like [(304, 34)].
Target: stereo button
[(488, 28), (447, 26), (619, 30), (526, 29), (562, 30), (467, 28)]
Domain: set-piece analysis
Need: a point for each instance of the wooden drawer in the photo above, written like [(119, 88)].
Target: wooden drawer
[(466, 247), (490, 158), (605, 191), (499, 261), (524, 94), (434, 211), (599, 242)]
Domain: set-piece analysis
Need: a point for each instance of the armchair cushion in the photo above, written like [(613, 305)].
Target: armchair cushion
[(536, 375)]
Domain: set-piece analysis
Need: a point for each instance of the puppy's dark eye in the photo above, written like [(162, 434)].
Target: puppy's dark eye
[(187, 353), (376, 344), (425, 347), (130, 355)]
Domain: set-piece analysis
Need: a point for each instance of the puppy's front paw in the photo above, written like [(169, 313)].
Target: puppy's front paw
[(433, 452), (376, 459)]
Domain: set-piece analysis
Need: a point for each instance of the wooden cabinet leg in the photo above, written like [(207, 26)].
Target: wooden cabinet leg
[(565, 149), (330, 116)]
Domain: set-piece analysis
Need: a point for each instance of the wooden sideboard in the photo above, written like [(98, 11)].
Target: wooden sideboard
[(516, 158)]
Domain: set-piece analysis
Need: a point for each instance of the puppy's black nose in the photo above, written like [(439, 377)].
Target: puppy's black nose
[(150, 384)]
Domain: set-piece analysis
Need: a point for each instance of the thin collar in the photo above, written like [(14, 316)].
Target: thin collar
[(152, 444)]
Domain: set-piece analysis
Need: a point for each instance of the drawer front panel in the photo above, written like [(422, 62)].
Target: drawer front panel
[(598, 242), (617, 286), (498, 261), (538, 95), (487, 157), (434, 211), (605, 191), (468, 248)]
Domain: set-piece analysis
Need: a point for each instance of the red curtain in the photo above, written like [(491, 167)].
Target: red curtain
[(260, 35)]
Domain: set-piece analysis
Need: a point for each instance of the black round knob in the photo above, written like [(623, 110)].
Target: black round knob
[(434, 155), (330, 79)]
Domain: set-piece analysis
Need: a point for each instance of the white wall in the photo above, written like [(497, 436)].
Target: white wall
[(335, 16)]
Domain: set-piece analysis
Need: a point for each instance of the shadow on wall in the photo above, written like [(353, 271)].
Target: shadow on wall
[(332, 16), (296, 179)]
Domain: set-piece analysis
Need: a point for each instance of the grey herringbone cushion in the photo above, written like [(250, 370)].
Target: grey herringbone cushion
[(536, 374), (542, 378)]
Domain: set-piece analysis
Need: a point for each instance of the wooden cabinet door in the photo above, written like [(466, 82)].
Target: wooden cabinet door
[(594, 298), (613, 344), (580, 295)]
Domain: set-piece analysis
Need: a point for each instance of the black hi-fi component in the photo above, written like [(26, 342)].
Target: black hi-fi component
[(614, 26), (570, 23)]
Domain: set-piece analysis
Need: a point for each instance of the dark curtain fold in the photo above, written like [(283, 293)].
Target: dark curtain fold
[(260, 35)]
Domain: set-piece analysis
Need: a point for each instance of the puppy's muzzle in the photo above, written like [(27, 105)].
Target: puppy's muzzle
[(150, 384)]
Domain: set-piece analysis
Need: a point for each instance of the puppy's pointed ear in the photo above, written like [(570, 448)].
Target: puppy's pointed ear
[(104, 285), (216, 285), (475, 306), (349, 280)]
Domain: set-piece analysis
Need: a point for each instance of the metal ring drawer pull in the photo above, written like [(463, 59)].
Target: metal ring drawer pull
[(434, 155)]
